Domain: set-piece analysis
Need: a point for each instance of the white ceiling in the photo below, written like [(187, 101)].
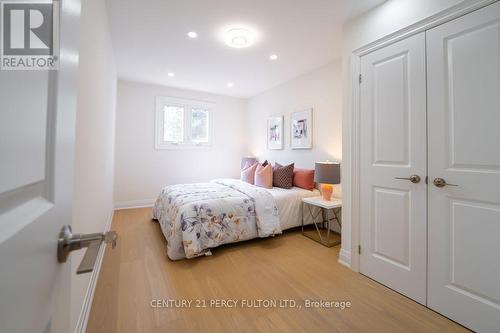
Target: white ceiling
[(149, 40)]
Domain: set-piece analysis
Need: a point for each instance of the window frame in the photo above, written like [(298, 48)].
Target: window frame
[(188, 105)]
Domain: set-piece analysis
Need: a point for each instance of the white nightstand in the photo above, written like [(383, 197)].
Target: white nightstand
[(325, 206)]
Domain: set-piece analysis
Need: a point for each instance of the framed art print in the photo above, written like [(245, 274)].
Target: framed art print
[(301, 130), (275, 132)]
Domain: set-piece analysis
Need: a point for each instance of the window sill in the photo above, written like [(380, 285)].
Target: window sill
[(182, 146)]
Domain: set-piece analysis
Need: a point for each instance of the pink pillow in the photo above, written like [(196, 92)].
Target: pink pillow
[(264, 176), (248, 173), (303, 178)]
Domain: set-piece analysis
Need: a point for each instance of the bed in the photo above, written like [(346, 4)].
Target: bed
[(196, 218), (289, 203)]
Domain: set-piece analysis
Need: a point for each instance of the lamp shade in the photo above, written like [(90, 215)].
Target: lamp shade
[(247, 159), (327, 173)]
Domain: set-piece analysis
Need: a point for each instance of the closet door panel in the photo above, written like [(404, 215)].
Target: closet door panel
[(463, 76), (393, 147)]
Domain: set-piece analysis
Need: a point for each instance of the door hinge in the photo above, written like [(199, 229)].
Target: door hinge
[(360, 78), (359, 249)]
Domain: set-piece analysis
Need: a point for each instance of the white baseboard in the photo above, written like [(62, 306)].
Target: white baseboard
[(345, 258), (134, 204), (81, 324)]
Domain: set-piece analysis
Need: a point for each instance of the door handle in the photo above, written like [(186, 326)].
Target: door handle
[(440, 182), (413, 178), (69, 242)]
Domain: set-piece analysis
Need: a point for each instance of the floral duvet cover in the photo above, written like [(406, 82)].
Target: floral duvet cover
[(197, 217)]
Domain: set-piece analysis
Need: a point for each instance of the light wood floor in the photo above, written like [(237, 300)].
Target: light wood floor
[(286, 267)]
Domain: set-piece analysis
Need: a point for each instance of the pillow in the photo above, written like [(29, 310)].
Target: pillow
[(248, 164), (246, 160), (283, 175), (264, 176), (303, 178), (248, 173)]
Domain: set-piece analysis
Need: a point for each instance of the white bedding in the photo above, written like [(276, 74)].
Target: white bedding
[(289, 202)]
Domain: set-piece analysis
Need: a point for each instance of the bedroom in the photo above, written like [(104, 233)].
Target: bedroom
[(262, 166)]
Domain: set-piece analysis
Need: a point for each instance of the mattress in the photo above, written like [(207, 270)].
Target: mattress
[(289, 202)]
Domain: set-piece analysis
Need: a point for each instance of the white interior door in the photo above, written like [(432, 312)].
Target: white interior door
[(393, 145), (464, 149), (37, 126)]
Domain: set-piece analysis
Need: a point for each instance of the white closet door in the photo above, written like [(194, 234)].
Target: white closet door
[(463, 59), (393, 144)]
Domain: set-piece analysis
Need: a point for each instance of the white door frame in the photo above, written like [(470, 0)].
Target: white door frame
[(355, 61)]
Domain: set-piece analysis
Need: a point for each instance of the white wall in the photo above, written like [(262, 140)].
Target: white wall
[(319, 89), (94, 150), (381, 21), (141, 171)]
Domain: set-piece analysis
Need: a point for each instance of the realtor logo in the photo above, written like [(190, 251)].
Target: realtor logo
[(28, 34)]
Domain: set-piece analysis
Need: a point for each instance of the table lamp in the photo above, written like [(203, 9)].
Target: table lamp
[(327, 173)]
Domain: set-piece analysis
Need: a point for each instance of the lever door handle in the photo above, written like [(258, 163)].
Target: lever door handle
[(440, 182), (413, 178), (69, 242), (89, 259)]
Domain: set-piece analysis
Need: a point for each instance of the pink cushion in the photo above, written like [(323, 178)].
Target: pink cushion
[(248, 173), (264, 176), (303, 178)]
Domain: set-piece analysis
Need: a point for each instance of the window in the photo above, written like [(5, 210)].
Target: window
[(199, 125), (182, 123), (173, 123)]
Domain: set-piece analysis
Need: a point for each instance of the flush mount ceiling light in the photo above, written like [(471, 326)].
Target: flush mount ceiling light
[(230, 84), (192, 34), (170, 74), (273, 57), (239, 37)]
